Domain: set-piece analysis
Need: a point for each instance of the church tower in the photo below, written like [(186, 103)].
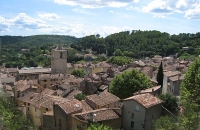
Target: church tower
[(58, 60)]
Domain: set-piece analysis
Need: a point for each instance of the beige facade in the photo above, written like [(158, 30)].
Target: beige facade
[(58, 60)]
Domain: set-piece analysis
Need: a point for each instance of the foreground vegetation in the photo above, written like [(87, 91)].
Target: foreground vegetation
[(11, 118)]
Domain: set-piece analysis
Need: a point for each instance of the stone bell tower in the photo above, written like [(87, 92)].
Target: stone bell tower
[(58, 60)]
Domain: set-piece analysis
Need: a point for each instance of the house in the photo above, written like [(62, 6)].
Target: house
[(106, 116), (8, 79), (103, 100), (175, 82), (139, 112), (23, 86), (32, 73), (46, 80), (62, 113), (91, 85), (36, 104), (166, 84)]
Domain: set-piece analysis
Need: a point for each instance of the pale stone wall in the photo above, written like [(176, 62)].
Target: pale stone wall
[(58, 61)]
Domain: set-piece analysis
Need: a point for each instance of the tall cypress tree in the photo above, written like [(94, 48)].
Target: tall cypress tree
[(160, 75)]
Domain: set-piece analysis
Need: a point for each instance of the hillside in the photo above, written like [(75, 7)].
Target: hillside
[(37, 40), (139, 44)]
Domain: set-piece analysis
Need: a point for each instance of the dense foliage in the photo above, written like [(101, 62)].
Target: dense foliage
[(169, 102), (139, 44), (11, 118), (80, 96), (78, 73), (32, 51), (97, 126), (119, 60), (165, 123), (129, 82), (190, 99)]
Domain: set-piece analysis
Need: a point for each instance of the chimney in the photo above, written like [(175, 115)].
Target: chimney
[(90, 117)]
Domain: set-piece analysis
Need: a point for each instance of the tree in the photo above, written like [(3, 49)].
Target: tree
[(119, 60), (11, 118), (129, 82), (160, 75), (80, 96), (190, 89), (170, 102), (97, 126), (78, 73), (165, 123), (118, 52)]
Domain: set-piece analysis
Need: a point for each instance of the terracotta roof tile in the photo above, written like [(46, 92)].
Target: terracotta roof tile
[(103, 98), (171, 73), (85, 106), (147, 100), (71, 106), (98, 115)]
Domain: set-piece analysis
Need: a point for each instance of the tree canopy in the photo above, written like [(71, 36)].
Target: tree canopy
[(190, 99), (97, 126), (119, 60), (169, 102), (165, 123), (129, 82), (11, 118), (78, 73)]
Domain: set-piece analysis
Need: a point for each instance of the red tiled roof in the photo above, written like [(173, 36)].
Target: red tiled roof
[(103, 98), (147, 100), (98, 115), (85, 106), (71, 106), (171, 73)]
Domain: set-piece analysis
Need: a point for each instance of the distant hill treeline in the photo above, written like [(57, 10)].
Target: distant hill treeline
[(139, 44), (37, 40)]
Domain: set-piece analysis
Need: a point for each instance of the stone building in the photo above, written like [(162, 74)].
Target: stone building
[(139, 112), (58, 60)]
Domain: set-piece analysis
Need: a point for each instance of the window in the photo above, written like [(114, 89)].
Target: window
[(132, 115), (132, 124), (47, 109), (28, 108), (28, 104), (45, 80), (60, 54), (137, 108)]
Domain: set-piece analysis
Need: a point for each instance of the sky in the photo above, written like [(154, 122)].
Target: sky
[(81, 18)]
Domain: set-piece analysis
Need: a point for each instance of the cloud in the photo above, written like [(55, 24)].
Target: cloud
[(111, 11), (4, 24), (24, 21), (82, 11), (96, 3), (167, 7), (193, 13), (48, 16)]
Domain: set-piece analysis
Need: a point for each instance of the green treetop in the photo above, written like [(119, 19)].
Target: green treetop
[(78, 73), (129, 82)]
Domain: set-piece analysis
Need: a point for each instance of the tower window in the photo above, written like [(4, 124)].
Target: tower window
[(60, 54)]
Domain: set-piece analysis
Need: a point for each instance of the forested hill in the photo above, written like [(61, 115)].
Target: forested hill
[(36, 40), (138, 44)]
